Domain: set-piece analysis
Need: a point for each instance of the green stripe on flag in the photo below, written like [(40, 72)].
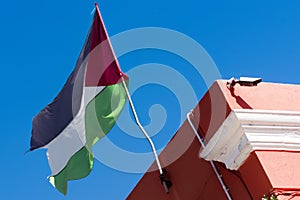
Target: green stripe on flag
[(100, 116), (102, 112), (79, 166)]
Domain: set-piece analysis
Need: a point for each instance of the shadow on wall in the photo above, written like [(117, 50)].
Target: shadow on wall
[(240, 100)]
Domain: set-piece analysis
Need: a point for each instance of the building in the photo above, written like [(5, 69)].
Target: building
[(251, 138)]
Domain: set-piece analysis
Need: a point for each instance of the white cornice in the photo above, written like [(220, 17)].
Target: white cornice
[(245, 130)]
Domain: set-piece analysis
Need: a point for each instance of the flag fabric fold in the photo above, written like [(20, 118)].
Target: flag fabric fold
[(83, 112)]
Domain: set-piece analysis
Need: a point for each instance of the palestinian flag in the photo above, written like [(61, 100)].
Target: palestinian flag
[(83, 112)]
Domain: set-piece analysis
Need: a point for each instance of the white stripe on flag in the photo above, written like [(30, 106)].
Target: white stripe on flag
[(72, 138)]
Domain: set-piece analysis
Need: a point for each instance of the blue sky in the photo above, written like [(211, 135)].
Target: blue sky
[(40, 42)]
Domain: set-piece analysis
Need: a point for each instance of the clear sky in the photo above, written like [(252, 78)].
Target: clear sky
[(41, 40)]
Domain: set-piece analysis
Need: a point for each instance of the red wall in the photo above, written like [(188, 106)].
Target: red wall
[(194, 178)]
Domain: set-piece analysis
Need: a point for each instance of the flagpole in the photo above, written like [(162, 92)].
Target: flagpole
[(163, 173), (141, 127), (163, 176), (130, 100)]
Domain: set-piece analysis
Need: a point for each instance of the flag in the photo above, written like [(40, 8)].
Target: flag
[(83, 112)]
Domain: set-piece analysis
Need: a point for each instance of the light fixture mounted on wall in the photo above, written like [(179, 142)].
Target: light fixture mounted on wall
[(243, 81)]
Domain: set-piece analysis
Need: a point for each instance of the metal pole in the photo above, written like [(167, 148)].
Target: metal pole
[(141, 127), (165, 183), (211, 162)]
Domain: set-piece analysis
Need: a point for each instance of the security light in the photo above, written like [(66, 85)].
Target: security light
[(244, 81)]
